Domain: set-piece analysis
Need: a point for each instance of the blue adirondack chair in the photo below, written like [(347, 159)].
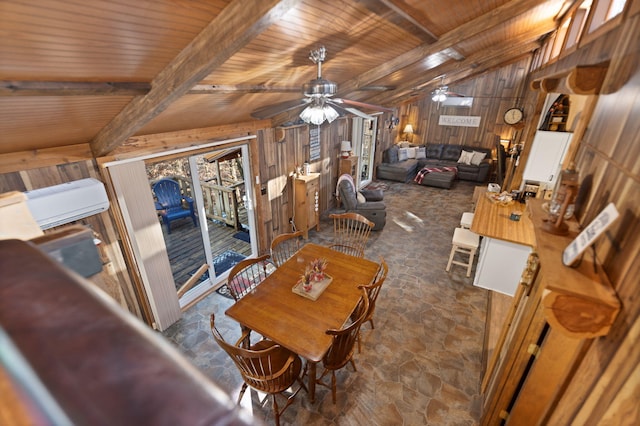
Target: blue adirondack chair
[(170, 202)]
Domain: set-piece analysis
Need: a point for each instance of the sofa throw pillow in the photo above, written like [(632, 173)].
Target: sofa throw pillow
[(402, 154), (391, 155), (465, 157), (421, 152), (361, 198), (411, 152), (477, 157)]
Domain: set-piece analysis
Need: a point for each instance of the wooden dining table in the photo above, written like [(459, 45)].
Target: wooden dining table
[(298, 323)]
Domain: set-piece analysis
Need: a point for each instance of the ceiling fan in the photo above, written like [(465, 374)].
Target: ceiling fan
[(318, 102), (442, 93)]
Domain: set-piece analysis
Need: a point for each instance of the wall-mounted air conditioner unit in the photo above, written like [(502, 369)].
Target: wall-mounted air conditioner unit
[(60, 204)]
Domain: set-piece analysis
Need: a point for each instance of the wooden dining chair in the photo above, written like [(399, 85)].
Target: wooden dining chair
[(284, 246), (341, 351), (373, 289), (266, 367), (350, 233), (247, 275)]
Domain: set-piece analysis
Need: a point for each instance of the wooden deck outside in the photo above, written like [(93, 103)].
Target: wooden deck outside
[(185, 247)]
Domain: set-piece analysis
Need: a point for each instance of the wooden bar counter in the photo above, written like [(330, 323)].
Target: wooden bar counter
[(492, 220), (505, 247)]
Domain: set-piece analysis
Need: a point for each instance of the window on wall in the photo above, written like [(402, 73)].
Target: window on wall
[(615, 8), (560, 36), (577, 25), (546, 54), (605, 11), (598, 16)]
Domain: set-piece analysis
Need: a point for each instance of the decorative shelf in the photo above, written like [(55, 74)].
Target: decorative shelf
[(580, 80), (579, 302)]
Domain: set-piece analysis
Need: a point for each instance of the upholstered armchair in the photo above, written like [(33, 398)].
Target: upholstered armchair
[(368, 203)]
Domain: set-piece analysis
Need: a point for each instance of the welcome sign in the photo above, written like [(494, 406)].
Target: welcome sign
[(459, 120)]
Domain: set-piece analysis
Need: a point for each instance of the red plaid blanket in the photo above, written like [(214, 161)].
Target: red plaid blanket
[(426, 170)]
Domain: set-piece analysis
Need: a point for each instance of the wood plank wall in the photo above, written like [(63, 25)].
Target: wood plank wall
[(281, 150), (494, 92), (607, 159)]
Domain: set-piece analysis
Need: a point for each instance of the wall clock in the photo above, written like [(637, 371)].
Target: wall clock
[(513, 116)]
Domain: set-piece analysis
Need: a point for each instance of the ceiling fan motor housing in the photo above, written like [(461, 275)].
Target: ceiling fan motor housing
[(320, 87)]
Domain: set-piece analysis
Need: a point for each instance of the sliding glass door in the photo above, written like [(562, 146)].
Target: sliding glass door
[(213, 184)]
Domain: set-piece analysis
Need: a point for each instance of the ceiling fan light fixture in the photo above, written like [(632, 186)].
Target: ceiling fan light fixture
[(439, 97), (440, 94), (317, 114)]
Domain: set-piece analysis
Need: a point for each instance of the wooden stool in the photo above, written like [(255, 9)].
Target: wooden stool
[(466, 220), (465, 242)]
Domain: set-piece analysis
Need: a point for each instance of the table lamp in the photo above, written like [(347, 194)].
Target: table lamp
[(408, 130)]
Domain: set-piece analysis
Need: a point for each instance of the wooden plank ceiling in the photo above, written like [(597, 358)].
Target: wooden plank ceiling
[(100, 71)]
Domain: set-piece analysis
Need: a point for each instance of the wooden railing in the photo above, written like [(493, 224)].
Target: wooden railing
[(221, 203)]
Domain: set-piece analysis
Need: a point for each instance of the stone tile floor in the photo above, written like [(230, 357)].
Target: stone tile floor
[(421, 365)]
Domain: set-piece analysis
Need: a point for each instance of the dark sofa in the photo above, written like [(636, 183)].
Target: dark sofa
[(394, 166)]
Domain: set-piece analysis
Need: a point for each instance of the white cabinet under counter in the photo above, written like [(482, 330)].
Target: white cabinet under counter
[(505, 246), (500, 265)]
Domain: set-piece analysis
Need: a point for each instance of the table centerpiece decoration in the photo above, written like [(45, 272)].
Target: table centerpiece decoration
[(314, 280)]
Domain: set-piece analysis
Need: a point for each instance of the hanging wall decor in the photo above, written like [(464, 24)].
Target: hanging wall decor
[(314, 143)]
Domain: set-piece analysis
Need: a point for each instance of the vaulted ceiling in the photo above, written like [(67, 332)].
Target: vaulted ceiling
[(100, 71)]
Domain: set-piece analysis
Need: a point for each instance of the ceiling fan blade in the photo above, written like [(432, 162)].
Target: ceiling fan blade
[(376, 88), (273, 110), (360, 114), (362, 105), (343, 110)]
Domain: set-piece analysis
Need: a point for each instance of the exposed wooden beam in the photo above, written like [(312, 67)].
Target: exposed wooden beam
[(457, 71), (206, 89), (411, 14), (233, 28), (399, 17), (489, 20), (45, 157), (71, 88), (136, 146), (473, 65)]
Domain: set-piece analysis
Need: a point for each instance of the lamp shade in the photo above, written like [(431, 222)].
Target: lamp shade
[(345, 146), (408, 128)]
